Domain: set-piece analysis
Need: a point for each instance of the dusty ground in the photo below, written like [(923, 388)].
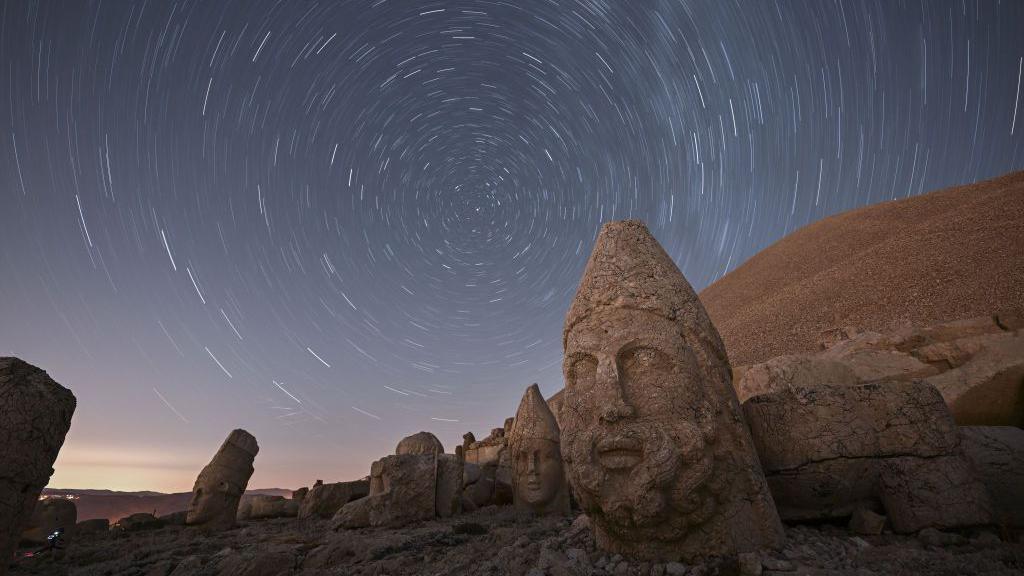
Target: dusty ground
[(491, 542)]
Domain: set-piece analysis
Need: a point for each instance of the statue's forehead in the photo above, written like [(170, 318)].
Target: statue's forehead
[(611, 328)]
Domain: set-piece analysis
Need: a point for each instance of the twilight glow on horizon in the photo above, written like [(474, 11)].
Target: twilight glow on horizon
[(337, 223)]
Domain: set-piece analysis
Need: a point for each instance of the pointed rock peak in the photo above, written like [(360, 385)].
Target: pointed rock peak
[(534, 419)]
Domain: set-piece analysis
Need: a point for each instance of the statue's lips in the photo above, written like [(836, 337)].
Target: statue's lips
[(619, 452)]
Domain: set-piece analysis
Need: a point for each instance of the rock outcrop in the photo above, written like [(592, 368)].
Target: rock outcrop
[(828, 450), (420, 443), (324, 500), (222, 482), (652, 432), (402, 491), (35, 415), (538, 479), (976, 364), (263, 506), (997, 453)]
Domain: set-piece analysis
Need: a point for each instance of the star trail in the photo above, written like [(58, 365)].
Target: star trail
[(336, 223)]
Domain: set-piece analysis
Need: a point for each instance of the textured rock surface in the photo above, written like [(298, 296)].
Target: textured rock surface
[(49, 515), (402, 491), (652, 432), (324, 500), (539, 483), (94, 526), (788, 372), (420, 443), (827, 450), (263, 506), (494, 542), (997, 453), (448, 490), (137, 523), (222, 482), (921, 261), (35, 415)]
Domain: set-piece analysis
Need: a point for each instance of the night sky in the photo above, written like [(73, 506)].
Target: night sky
[(335, 223)]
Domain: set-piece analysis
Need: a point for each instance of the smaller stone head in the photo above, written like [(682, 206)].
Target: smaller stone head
[(538, 477), (222, 482)]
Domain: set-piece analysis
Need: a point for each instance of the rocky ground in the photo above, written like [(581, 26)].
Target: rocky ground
[(491, 542)]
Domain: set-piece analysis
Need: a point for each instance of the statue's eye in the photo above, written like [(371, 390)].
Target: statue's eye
[(583, 372)]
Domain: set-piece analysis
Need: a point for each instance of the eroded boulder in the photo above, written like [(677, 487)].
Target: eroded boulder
[(827, 450), (402, 491), (420, 443), (538, 478), (35, 415), (324, 500), (997, 453)]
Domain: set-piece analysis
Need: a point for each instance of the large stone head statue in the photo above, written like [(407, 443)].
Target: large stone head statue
[(222, 482), (653, 436), (538, 478)]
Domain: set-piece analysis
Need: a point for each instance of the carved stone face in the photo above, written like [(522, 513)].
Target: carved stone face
[(211, 499), (637, 426), (537, 466)]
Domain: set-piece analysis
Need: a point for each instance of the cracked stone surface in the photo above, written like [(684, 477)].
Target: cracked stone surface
[(35, 415), (827, 450), (997, 453), (653, 436)]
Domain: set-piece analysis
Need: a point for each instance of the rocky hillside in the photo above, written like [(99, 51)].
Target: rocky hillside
[(952, 254)]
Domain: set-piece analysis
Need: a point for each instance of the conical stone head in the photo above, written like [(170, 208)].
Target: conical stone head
[(222, 482), (538, 478), (652, 433)]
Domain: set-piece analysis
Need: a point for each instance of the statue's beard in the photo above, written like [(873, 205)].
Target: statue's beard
[(643, 480)]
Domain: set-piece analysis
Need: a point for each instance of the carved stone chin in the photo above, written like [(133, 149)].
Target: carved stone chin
[(652, 433)]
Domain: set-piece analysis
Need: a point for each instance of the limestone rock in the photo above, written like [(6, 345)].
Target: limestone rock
[(652, 432), (263, 506), (92, 527), (35, 415), (538, 479), (828, 450), (864, 521), (787, 372), (137, 523), (997, 453), (420, 443), (222, 482), (448, 492), (48, 516), (402, 491), (324, 500), (986, 388)]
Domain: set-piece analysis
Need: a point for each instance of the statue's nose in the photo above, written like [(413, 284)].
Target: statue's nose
[(614, 405)]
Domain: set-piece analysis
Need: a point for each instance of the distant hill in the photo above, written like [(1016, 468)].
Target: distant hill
[(956, 253), (114, 505)]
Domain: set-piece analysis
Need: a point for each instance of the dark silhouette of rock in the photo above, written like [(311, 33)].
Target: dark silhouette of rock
[(222, 482), (657, 449), (138, 522), (35, 415)]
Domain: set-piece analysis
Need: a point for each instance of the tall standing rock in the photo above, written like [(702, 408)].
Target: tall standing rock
[(222, 482), (539, 486), (35, 415), (652, 432)]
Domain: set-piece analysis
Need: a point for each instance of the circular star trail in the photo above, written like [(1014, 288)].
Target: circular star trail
[(338, 223)]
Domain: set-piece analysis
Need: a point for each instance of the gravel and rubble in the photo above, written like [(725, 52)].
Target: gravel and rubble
[(490, 541)]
